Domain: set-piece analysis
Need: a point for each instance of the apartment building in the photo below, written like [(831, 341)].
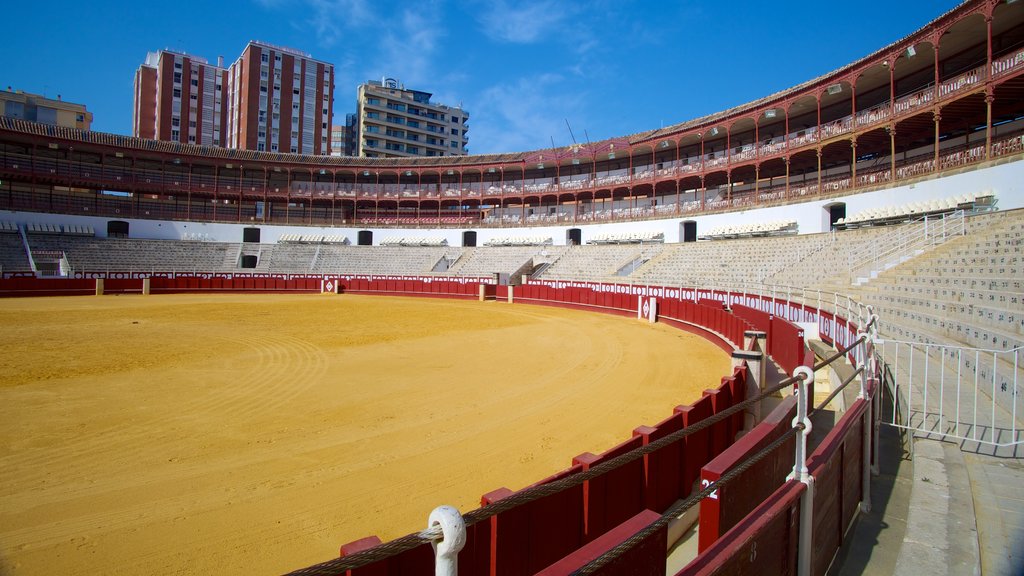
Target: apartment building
[(36, 108), (182, 98), (281, 100), (393, 121)]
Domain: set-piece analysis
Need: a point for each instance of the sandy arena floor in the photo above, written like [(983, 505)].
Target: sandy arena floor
[(254, 434)]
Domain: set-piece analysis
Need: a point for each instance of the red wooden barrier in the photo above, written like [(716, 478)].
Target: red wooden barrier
[(837, 469), (644, 557), (729, 504), (530, 537), (663, 468), (764, 542), (615, 496), (786, 346), (698, 444)]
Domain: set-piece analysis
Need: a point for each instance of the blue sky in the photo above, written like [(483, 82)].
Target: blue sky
[(521, 68)]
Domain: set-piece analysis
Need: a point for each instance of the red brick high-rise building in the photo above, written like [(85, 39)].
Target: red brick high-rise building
[(281, 100), (182, 98)]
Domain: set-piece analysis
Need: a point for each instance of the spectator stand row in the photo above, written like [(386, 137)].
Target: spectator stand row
[(313, 239), (69, 229), (520, 241), (886, 215), (628, 238), (414, 241), (755, 230)]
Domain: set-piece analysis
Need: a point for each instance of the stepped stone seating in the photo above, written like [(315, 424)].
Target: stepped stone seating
[(729, 263), (774, 228), (414, 241), (378, 260), (628, 238), (498, 259), (967, 291), (972, 202), (12, 253), (86, 253), (600, 262), (519, 241)]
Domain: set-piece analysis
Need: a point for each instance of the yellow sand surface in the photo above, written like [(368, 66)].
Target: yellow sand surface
[(255, 434)]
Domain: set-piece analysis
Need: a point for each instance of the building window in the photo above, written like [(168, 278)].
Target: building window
[(264, 57), (175, 122), (455, 131), (177, 77), (177, 92), (195, 83), (192, 124), (175, 134), (177, 65)]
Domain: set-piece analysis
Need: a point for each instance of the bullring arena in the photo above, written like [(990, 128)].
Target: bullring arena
[(205, 433), (600, 356)]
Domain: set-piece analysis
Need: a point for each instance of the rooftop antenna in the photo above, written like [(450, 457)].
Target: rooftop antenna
[(552, 141), (570, 131)]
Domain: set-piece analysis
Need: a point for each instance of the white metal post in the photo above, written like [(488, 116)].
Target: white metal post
[(800, 472), (453, 539)]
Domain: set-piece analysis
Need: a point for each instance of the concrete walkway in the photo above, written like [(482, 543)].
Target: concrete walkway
[(945, 511)]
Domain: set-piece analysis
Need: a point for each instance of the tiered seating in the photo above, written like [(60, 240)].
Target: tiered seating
[(742, 262), (601, 262), (79, 230), (34, 228), (968, 290), (310, 238), (287, 257), (12, 251), (377, 260), (86, 253), (414, 241), (335, 239), (971, 202), (628, 238), (499, 259), (776, 228), (8, 227), (519, 241), (70, 229)]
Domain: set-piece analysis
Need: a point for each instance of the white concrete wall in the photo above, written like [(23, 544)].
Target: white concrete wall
[(1006, 181)]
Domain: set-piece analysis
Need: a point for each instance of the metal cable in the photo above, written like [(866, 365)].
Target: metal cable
[(836, 392), (680, 507)]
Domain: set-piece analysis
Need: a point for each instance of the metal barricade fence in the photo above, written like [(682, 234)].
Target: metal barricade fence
[(954, 392)]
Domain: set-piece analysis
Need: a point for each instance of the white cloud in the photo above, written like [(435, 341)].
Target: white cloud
[(524, 115), (330, 19), (409, 52), (523, 22)]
